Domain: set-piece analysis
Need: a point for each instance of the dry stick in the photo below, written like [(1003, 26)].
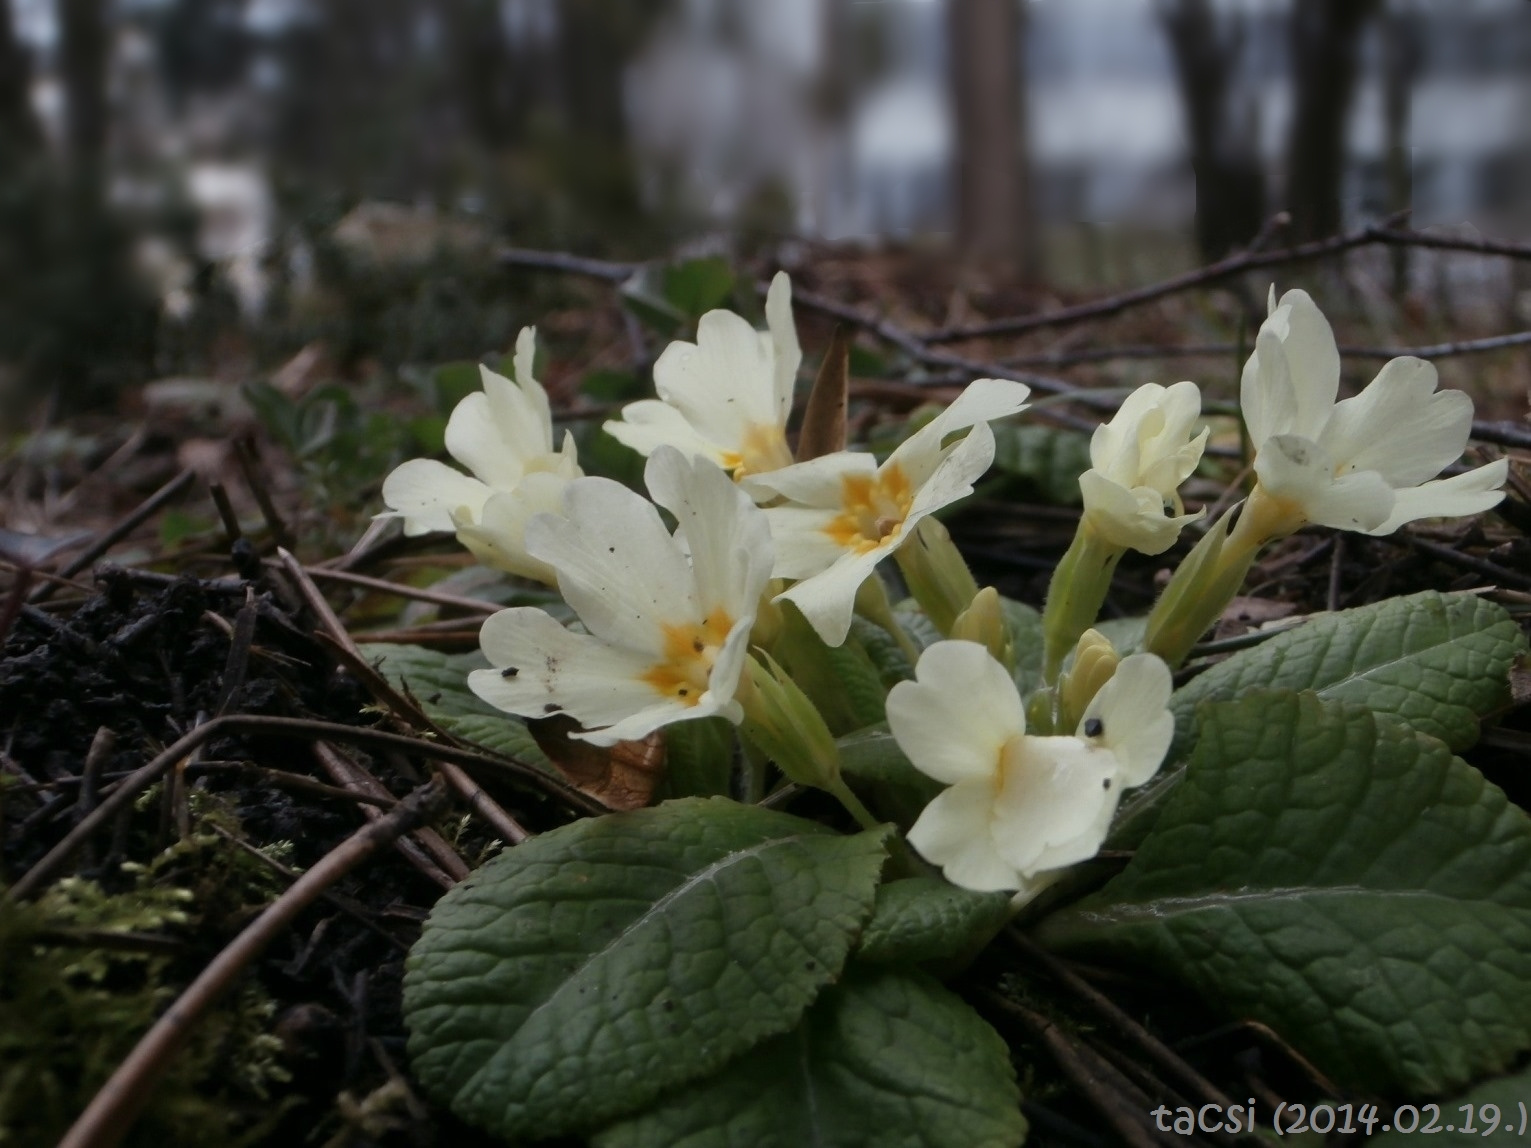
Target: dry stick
[(299, 728), (109, 1115), (14, 600), (1227, 268), (347, 905), (120, 531), (477, 605), (1504, 434), (226, 513), (1084, 1075), (480, 802), (1407, 237), (425, 849), (1501, 574), (249, 466), (1102, 1005)]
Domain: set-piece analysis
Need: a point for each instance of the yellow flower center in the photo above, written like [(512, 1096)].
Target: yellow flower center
[(690, 649), (873, 509), (763, 448)]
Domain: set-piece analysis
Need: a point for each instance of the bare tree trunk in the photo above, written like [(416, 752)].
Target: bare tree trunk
[(1230, 185), (1400, 65), (1326, 38), (19, 134), (984, 66), (82, 60)]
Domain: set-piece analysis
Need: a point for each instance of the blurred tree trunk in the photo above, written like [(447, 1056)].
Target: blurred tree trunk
[(984, 40), (1230, 186), (1326, 40), (19, 134), (1400, 65), (488, 80), (82, 61)]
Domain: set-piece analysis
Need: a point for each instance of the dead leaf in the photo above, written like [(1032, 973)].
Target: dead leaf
[(823, 430), (622, 776)]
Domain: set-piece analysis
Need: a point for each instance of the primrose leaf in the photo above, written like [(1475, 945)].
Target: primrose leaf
[(698, 285), (873, 762), (578, 976), (1438, 661), (439, 682), (920, 919), (1047, 458), (1341, 878), (699, 758), (1509, 1094), (885, 1058)]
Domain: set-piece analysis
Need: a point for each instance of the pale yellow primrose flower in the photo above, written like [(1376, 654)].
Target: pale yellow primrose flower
[(844, 514), (668, 617), (1021, 808), (727, 396), (1137, 462), (1361, 463), (504, 436)]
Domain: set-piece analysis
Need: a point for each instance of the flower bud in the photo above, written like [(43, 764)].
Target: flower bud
[(984, 622), (938, 577)]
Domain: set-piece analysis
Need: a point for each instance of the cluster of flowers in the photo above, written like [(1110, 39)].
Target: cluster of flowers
[(668, 618)]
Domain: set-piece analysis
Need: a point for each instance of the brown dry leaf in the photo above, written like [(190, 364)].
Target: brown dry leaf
[(622, 776), (1245, 614), (823, 430)]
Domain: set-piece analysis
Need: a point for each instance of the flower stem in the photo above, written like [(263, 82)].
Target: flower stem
[(1079, 586)]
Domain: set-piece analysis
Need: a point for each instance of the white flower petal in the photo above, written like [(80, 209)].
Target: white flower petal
[(1312, 358), (498, 537), (728, 537), (954, 720), (1400, 426), (617, 565), (981, 401), (804, 544), (953, 832), (1134, 721), (521, 416), (474, 439), (522, 362), (1472, 492), (649, 424), (787, 353), (723, 383), (1300, 471), (1266, 398), (951, 477), (556, 669), (828, 599), (1135, 519), (1051, 795), (425, 493), (818, 482)]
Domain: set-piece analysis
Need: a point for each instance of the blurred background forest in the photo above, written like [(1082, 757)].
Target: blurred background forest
[(203, 188)]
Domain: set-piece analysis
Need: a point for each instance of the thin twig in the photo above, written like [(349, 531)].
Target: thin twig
[(1083, 1070), (249, 466), (1219, 350), (1107, 1009), (572, 264), (111, 1112), (121, 530), (1501, 574), (305, 729), (476, 605), (424, 848)]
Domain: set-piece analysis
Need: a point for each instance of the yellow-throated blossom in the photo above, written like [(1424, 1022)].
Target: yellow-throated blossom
[(504, 436), (1019, 807), (843, 513), (1137, 462), (668, 617), (1361, 463), (727, 396)]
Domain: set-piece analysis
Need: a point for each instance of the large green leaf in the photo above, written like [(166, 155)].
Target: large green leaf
[(871, 760), (574, 978), (920, 919), (699, 758), (1511, 1095), (1343, 879), (1438, 661), (439, 682), (885, 1058), (1048, 459)]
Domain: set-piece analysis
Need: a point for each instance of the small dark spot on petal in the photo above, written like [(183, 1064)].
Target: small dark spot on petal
[(510, 671), (611, 550), (682, 692), (696, 644), (1094, 727), (552, 708), (1106, 783)]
